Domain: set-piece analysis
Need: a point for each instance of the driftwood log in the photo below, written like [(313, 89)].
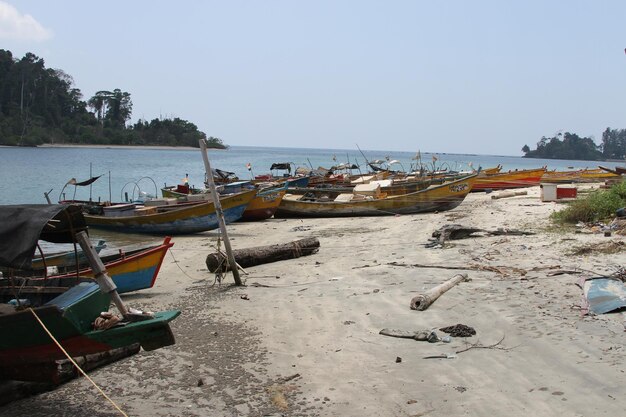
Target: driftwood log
[(508, 194), (422, 301), (263, 254)]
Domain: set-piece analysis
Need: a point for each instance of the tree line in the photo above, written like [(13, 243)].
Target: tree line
[(40, 105), (571, 146)]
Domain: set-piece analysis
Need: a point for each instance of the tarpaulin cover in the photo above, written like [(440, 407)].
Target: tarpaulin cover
[(21, 226), (281, 165), (83, 183)]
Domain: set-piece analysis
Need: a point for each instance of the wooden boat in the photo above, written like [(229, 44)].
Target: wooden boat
[(581, 176), (28, 354), (26, 350), (265, 204), (596, 175), (435, 198), (261, 207), (493, 170), (132, 272), (64, 258), (511, 179), (173, 219)]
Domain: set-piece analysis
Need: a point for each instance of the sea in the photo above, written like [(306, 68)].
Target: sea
[(27, 174)]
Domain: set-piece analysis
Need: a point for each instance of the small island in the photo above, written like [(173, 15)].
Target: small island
[(40, 105), (571, 146)]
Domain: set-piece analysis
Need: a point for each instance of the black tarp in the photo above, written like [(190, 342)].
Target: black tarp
[(21, 226), (84, 183), (281, 165)]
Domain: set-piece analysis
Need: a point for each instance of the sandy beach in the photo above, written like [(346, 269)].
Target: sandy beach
[(302, 337)]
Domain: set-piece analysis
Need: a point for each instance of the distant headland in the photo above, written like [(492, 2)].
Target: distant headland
[(571, 146), (41, 106)]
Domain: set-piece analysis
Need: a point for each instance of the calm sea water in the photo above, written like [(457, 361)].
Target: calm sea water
[(27, 173)]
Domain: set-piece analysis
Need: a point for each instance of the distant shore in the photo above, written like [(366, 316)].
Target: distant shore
[(94, 146)]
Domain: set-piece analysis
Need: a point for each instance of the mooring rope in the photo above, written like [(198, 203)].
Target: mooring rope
[(76, 365)]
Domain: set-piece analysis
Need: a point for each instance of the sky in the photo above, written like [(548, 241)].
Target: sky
[(478, 77)]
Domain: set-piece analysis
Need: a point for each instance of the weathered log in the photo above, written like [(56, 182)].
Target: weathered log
[(508, 194), (423, 301), (264, 254)]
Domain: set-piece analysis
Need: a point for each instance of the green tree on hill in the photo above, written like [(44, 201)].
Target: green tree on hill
[(565, 146), (41, 105), (614, 143)]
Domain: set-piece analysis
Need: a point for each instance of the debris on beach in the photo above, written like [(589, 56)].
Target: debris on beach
[(610, 247), (459, 330), (423, 301), (603, 294), (427, 335), (457, 231), (247, 257)]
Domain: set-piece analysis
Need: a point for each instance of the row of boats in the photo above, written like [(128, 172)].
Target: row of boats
[(184, 209)]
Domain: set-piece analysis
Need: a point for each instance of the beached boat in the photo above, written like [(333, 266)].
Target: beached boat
[(28, 354), (129, 272), (172, 219), (511, 179), (261, 207), (441, 197), (27, 351), (581, 176)]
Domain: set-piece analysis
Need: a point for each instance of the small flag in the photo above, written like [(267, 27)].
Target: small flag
[(434, 158), (249, 166)]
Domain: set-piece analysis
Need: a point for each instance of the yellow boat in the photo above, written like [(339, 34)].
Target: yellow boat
[(441, 197), (511, 179)]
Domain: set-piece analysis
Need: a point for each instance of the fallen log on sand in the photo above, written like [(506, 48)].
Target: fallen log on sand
[(508, 194), (263, 254), (423, 301)]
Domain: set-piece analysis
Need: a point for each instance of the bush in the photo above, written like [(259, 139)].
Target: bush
[(598, 205)]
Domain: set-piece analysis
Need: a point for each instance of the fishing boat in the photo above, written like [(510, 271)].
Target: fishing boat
[(27, 352), (581, 176), (510, 179), (129, 272), (192, 217), (261, 207), (371, 202), (275, 176)]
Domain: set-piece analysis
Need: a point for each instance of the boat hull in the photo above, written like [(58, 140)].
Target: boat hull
[(264, 205), (129, 273), (437, 198), (193, 218), (508, 180), (28, 354)]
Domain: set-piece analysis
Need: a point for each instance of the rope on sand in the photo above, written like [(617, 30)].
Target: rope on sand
[(75, 364)]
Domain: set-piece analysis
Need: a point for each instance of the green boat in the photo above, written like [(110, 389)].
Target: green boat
[(27, 352)]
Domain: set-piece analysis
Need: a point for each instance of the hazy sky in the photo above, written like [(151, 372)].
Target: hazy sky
[(446, 76)]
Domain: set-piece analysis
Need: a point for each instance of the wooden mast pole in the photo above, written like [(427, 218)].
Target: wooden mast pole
[(219, 212)]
